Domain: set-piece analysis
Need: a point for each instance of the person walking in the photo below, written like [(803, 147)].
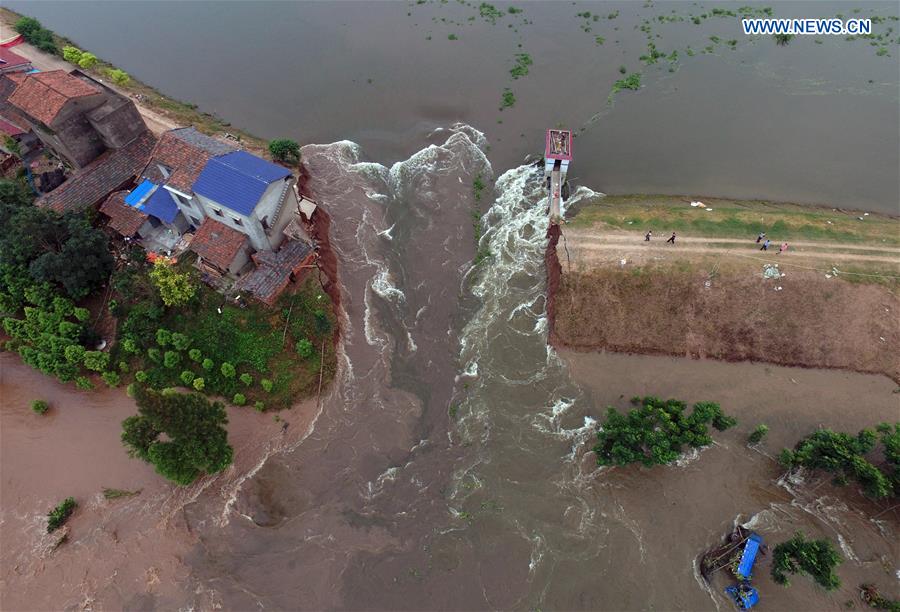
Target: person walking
[(648, 235), (783, 248), (760, 237), (671, 238), (765, 246)]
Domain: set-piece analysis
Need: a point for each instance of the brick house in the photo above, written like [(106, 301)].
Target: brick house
[(221, 250)]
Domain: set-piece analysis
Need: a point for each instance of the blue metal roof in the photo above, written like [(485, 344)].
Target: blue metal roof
[(139, 193), (748, 557), (161, 205), (238, 180)]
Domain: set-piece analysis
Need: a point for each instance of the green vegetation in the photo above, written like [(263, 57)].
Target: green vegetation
[(481, 252), (452, 37), (195, 440), (285, 150), (599, 40), (523, 61), (119, 493), (656, 432), (57, 517), (175, 288), (783, 39), (40, 407), (818, 558), (870, 595), (39, 36), (508, 99), (632, 82), (118, 76), (490, 13), (758, 434), (844, 456)]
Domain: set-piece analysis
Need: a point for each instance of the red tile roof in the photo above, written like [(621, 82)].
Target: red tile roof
[(184, 151), (125, 219), (43, 95), (111, 171), (274, 269), (8, 60), (217, 243), (8, 128)]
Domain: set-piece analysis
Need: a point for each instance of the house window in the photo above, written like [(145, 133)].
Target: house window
[(218, 212), (237, 221), (195, 221)]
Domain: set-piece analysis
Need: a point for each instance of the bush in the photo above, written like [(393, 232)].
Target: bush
[(758, 434), (119, 77), (304, 348), (71, 54), (180, 341), (285, 150), (227, 370), (130, 346), (656, 432), (154, 354), (82, 314), (163, 336), (39, 407), (96, 360), (87, 61), (111, 379), (140, 376), (817, 558), (266, 385), (175, 288), (130, 389), (259, 406), (208, 364), (60, 514), (199, 384), (187, 377), (84, 383), (195, 355), (74, 354), (123, 367), (239, 399), (246, 379), (39, 36), (171, 359)]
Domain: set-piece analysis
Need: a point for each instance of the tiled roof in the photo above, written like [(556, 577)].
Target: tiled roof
[(125, 219), (273, 270), (43, 94), (8, 59), (238, 180), (8, 128), (184, 152), (217, 243), (111, 171)]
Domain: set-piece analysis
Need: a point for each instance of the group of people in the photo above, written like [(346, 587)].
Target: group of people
[(766, 243)]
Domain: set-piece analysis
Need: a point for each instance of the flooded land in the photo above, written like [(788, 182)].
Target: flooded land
[(449, 465)]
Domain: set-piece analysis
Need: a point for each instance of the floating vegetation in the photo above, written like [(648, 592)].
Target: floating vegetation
[(60, 514), (613, 15), (599, 40), (523, 61), (508, 99), (632, 82), (489, 12), (119, 493), (653, 54), (452, 37), (783, 39)]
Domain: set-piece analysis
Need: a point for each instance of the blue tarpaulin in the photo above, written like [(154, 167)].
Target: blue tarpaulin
[(161, 205), (749, 556), (139, 193)]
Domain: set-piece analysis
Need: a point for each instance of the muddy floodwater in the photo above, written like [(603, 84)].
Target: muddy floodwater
[(448, 466)]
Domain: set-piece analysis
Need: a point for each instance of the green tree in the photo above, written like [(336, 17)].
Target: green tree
[(119, 77), (112, 379), (57, 517), (285, 150), (239, 399), (199, 384), (175, 288), (187, 377), (71, 54), (180, 341), (195, 355), (195, 441), (163, 336), (140, 376), (818, 558), (304, 348), (171, 359), (39, 36), (96, 360), (40, 407), (656, 432), (266, 385), (208, 364), (87, 60), (227, 370), (758, 434), (246, 379)]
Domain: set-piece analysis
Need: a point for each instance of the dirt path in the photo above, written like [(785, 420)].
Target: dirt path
[(588, 246)]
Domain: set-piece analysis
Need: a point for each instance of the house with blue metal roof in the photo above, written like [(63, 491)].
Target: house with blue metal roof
[(248, 194)]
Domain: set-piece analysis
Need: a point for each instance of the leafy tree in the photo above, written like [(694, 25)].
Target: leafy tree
[(843, 455), (14, 196), (140, 376), (163, 337), (60, 514), (87, 60), (246, 379), (75, 354), (175, 288), (154, 354), (96, 360), (259, 406), (171, 359), (39, 36), (758, 434), (195, 355), (123, 367), (239, 399), (119, 77), (84, 383), (304, 348), (187, 377), (82, 314), (180, 341), (130, 346), (208, 364), (199, 384), (656, 432), (818, 558), (72, 54), (40, 407), (227, 370), (266, 385), (285, 150), (112, 379), (195, 441)]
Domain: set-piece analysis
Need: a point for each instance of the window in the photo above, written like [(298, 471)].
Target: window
[(218, 212), (237, 221), (195, 221), (164, 170)]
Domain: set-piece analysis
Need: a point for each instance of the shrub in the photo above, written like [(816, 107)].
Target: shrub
[(130, 389), (758, 434), (140, 376), (123, 367), (266, 385), (130, 346), (111, 379), (87, 60), (259, 406), (71, 54), (39, 407), (39, 36), (187, 377), (239, 399), (246, 379), (171, 359), (304, 348), (656, 432), (195, 355), (199, 384), (60, 514), (163, 337), (82, 314), (96, 360), (175, 288), (119, 77), (180, 341), (818, 558), (208, 364), (227, 370), (154, 354), (285, 150), (74, 354)]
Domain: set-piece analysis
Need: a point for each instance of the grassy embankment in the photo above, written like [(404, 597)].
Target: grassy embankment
[(179, 113), (707, 297)]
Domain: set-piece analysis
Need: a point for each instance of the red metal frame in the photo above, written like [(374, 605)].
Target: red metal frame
[(558, 145)]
